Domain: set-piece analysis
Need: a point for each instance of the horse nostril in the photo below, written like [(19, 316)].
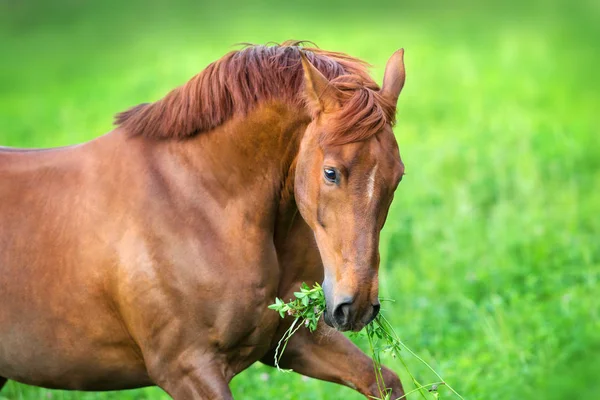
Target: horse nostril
[(376, 308), (374, 312), (341, 314)]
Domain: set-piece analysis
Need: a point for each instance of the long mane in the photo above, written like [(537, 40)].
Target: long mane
[(236, 83)]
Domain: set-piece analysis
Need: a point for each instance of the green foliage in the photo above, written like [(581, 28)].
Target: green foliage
[(308, 305), (306, 308)]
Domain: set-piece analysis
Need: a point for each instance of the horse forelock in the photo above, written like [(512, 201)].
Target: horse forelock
[(363, 113), (240, 80)]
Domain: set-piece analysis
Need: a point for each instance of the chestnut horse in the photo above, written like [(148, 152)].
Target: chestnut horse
[(149, 255)]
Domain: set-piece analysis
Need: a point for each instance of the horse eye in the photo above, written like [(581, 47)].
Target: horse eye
[(330, 175)]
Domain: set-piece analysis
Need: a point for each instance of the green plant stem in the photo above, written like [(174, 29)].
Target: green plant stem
[(419, 388), (284, 340), (389, 326), (376, 364)]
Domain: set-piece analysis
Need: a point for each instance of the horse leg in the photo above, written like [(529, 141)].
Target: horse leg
[(188, 377), (197, 385), (328, 355)]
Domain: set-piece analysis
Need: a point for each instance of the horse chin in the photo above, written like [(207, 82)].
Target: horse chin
[(356, 327), (350, 327)]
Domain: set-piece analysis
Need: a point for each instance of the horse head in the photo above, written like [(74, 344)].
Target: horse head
[(347, 170)]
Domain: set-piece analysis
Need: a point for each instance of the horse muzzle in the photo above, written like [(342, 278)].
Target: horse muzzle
[(347, 316)]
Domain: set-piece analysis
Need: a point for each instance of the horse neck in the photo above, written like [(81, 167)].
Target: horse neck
[(246, 164)]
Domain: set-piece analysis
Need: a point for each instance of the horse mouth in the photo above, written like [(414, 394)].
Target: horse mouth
[(354, 327)]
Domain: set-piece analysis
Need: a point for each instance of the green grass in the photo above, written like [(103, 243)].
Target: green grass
[(492, 247)]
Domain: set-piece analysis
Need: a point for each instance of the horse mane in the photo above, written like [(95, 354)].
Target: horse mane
[(236, 83)]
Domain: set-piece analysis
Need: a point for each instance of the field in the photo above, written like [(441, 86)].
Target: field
[(492, 248)]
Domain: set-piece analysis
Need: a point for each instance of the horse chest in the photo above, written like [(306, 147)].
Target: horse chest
[(223, 295), (249, 334), (210, 288), (246, 326)]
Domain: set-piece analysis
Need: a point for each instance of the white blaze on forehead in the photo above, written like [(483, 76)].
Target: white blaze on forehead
[(371, 182)]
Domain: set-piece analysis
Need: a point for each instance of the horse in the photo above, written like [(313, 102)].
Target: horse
[(149, 255)]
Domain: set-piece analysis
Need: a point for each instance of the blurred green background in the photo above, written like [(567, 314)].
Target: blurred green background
[(492, 248)]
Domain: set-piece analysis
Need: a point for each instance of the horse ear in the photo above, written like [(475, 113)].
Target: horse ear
[(320, 94), (393, 79)]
